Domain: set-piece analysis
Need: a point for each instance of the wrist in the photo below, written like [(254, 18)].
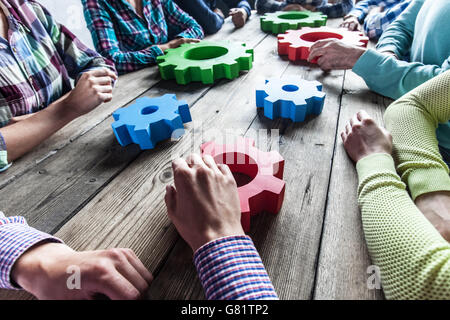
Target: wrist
[(212, 235), (33, 265)]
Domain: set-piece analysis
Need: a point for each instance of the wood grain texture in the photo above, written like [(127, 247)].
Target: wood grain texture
[(344, 259), (51, 208), (59, 186), (288, 243)]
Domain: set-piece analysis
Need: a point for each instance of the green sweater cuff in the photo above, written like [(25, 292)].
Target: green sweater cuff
[(425, 180), (367, 63), (375, 163)]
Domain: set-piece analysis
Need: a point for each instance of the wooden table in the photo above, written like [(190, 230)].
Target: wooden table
[(86, 189)]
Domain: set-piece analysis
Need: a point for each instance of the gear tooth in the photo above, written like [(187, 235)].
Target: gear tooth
[(149, 120), (265, 192), (292, 98), (183, 70)]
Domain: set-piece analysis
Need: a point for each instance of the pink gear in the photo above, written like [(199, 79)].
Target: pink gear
[(265, 192), (296, 43)]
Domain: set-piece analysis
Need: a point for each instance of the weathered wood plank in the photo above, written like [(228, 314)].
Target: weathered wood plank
[(343, 262), (102, 164), (128, 88), (289, 243), (59, 186)]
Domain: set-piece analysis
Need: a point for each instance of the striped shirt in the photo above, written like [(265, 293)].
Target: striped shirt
[(130, 40), (376, 23), (231, 269), (16, 237), (37, 62), (332, 10)]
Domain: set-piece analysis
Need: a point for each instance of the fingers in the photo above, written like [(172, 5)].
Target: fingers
[(138, 265), (194, 160), (180, 163), (118, 288), (363, 115), (171, 199), (103, 89), (104, 81), (103, 72), (225, 170), (130, 273), (211, 163), (105, 97)]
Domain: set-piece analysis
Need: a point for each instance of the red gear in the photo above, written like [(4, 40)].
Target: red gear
[(265, 192), (296, 43)]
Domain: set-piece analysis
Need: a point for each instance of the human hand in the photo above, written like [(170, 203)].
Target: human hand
[(435, 206), (45, 271), (93, 88), (351, 23), (204, 204), (239, 17), (333, 54), (175, 43), (219, 12), (294, 7), (363, 137)]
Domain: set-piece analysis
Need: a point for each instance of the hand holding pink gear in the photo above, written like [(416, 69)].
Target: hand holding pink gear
[(296, 43), (265, 192)]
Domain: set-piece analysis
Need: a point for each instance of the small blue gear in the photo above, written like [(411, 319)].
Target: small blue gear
[(292, 98), (151, 120)]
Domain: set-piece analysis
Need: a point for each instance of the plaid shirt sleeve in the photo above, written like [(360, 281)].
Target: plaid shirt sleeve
[(264, 6), (180, 23), (361, 9), (230, 268), (4, 165), (105, 40), (77, 57), (16, 237), (336, 10), (376, 24)]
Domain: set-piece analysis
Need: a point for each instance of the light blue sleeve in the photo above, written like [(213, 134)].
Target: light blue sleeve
[(393, 78), (398, 37)]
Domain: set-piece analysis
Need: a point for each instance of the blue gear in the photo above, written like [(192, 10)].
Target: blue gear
[(292, 98), (150, 120)]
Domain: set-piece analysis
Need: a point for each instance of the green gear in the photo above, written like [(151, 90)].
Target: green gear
[(205, 61), (281, 21)]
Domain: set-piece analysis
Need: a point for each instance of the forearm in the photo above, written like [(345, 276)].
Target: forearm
[(22, 136), (230, 269), (413, 258), (412, 121), (435, 207), (131, 61), (391, 77)]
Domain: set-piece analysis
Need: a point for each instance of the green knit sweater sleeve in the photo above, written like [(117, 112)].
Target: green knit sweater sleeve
[(413, 258), (412, 121)]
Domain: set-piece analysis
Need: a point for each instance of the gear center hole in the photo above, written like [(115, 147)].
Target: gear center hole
[(290, 88), (149, 110), (293, 16), (243, 167), (316, 36), (205, 53)]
